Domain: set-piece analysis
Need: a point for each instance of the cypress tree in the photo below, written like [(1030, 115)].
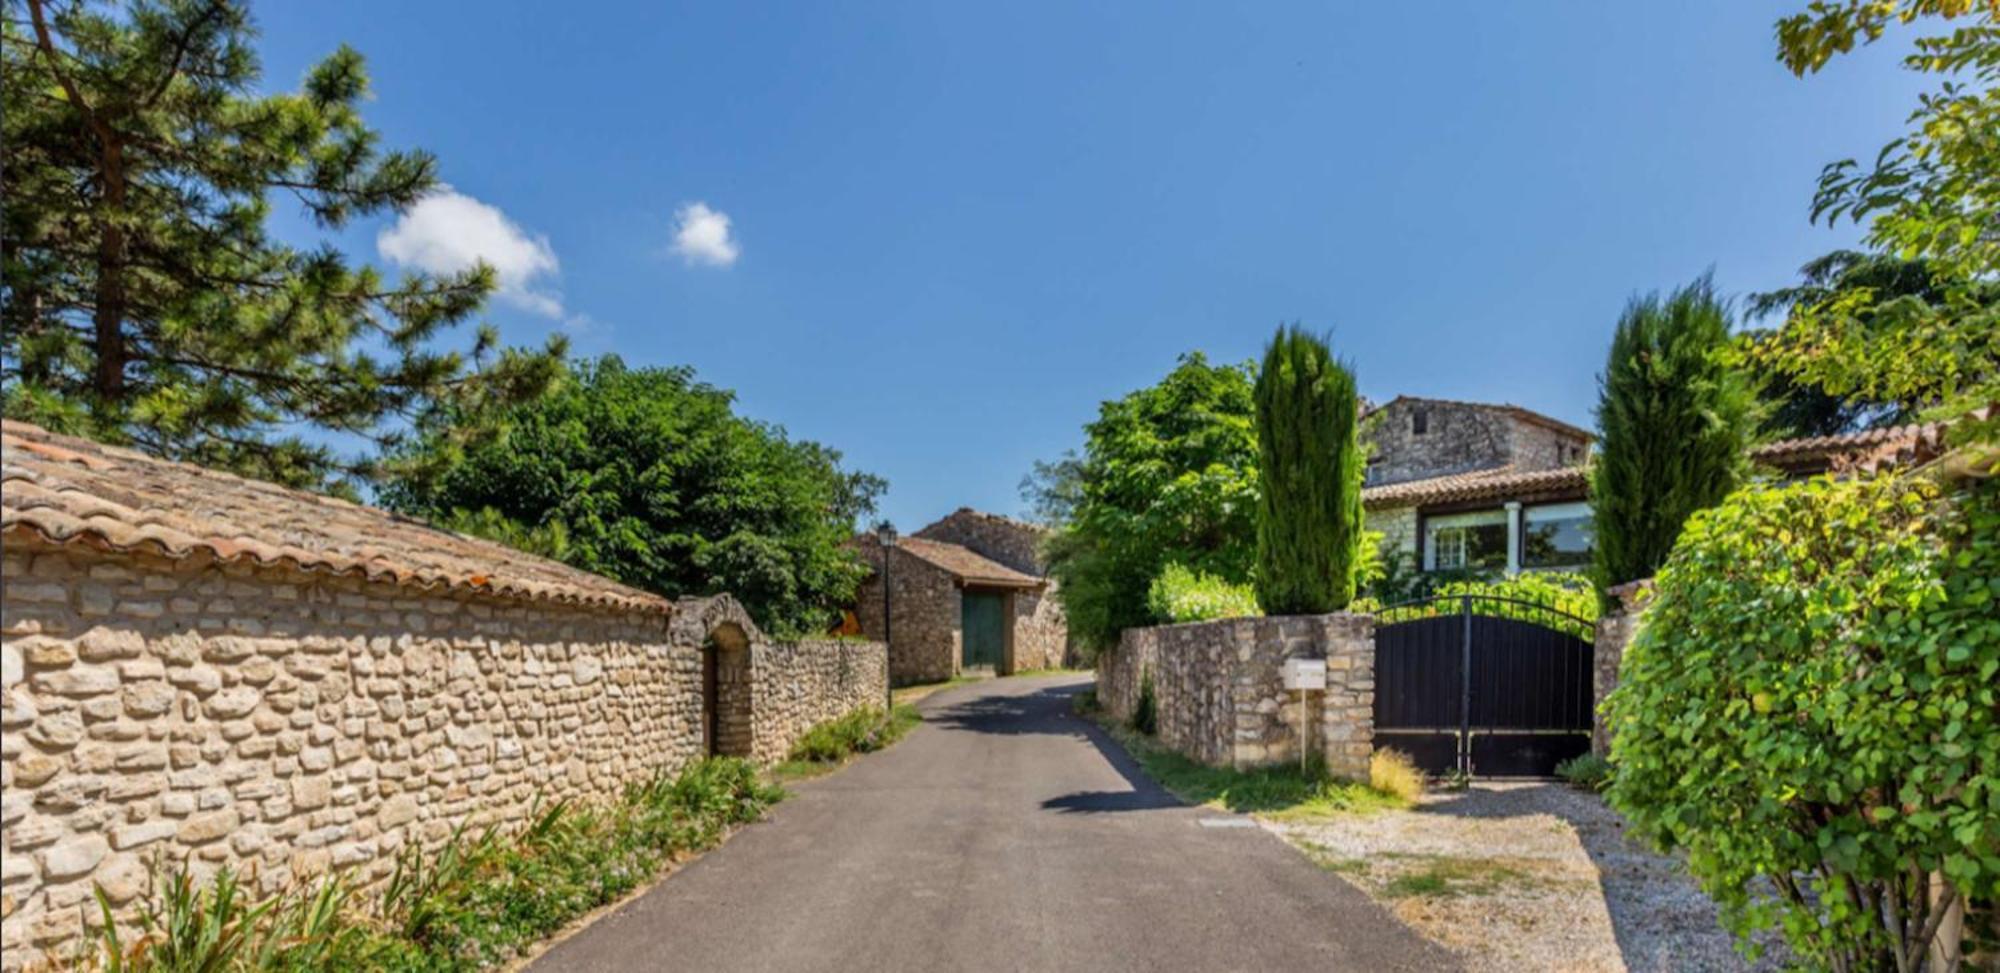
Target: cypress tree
[(1674, 419), (1309, 504)]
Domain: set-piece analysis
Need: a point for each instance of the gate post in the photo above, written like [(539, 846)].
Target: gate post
[(1465, 691)]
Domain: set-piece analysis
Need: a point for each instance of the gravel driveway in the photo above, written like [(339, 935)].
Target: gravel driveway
[(1526, 877)]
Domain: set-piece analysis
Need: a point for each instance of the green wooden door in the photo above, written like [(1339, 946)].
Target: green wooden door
[(985, 629)]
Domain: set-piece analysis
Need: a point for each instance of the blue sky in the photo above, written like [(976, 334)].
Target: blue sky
[(954, 229)]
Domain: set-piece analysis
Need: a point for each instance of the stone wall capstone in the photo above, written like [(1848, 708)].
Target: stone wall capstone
[(284, 723)]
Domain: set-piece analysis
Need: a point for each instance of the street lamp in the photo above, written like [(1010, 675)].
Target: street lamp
[(885, 534)]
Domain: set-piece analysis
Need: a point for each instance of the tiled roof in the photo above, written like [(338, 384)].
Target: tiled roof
[(75, 492), (966, 566), (1891, 445), (1868, 449), (1518, 412), (1502, 483)]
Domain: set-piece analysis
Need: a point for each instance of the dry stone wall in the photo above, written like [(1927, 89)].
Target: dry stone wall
[(1615, 628), (925, 616), (1219, 693), (287, 723)]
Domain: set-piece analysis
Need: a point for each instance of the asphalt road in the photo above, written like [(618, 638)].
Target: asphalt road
[(1003, 834)]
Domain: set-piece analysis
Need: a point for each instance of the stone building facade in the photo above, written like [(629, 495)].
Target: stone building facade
[(966, 593), (205, 669), (1219, 695)]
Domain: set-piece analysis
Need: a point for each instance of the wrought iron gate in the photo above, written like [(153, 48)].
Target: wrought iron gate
[(1496, 687)]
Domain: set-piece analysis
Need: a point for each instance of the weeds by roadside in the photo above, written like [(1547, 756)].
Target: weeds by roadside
[(481, 899), (1280, 792), (830, 744)]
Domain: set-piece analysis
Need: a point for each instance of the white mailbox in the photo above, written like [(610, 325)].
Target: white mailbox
[(1303, 674)]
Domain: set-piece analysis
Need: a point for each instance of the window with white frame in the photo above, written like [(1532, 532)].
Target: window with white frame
[(1472, 541), (1556, 536)]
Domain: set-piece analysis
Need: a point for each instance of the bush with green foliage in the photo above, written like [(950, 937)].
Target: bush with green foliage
[(1169, 476), (1812, 704), (1180, 595), (865, 730), (1674, 419), (648, 476), (478, 901), (1310, 465), (1558, 599), (1588, 771)]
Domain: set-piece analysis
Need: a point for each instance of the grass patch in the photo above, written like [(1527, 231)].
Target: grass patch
[(1282, 793), (832, 743), (482, 899), (1448, 877)]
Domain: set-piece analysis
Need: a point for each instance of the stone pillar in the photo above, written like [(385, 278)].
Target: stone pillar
[(1614, 630), (1347, 716)]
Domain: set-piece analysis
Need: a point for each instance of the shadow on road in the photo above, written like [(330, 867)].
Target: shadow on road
[(1050, 712)]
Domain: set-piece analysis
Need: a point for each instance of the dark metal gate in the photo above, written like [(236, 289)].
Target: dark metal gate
[(1495, 687)]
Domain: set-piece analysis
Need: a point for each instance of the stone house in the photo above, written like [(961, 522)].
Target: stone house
[(204, 669), (1468, 486), (969, 593)]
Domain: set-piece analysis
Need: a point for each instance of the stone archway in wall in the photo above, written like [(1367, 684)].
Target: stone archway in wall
[(725, 692)]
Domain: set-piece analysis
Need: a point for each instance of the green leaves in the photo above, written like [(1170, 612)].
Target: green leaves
[(1809, 701), (648, 476), (1169, 475), (145, 302), (1310, 464), (1675, 418)]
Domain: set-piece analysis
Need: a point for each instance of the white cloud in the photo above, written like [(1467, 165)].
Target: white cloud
[(448, 231), (701, 236)]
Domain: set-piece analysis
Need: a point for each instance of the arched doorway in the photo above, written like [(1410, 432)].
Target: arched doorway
[(725, 692)]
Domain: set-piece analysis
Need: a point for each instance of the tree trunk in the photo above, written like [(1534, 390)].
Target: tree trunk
[(109, 317)]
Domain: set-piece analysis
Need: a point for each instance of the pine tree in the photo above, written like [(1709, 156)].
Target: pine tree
[(144, 301), (1674, 419), (1311, 463)]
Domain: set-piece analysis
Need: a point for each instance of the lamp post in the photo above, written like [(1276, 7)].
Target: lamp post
[(885, 534)]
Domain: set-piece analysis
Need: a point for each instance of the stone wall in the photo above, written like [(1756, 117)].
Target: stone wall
[(1399, 529), (1219, 694), (1459, 437), (286, 723), (926, 626), (1041, 630), (1615, 628), (799, 684)]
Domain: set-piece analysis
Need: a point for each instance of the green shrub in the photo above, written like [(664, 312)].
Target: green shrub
[(862, 731), (1674, 418), (1145, 716), (1561, 600), (1810, 704), (1181, 595), (1588, 771), (1309, 473)]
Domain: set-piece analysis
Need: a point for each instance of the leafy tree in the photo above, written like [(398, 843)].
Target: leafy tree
[(1933, 196), (1169, 477), (1053, 489), (144, 301), (647, 475), (1796, 406), (1310, 467), (1810, 706), (1673, 419)]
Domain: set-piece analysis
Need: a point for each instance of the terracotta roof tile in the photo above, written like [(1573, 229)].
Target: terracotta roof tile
[(70, 491), (1503, 483), (965, 565), (1868, 449)]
